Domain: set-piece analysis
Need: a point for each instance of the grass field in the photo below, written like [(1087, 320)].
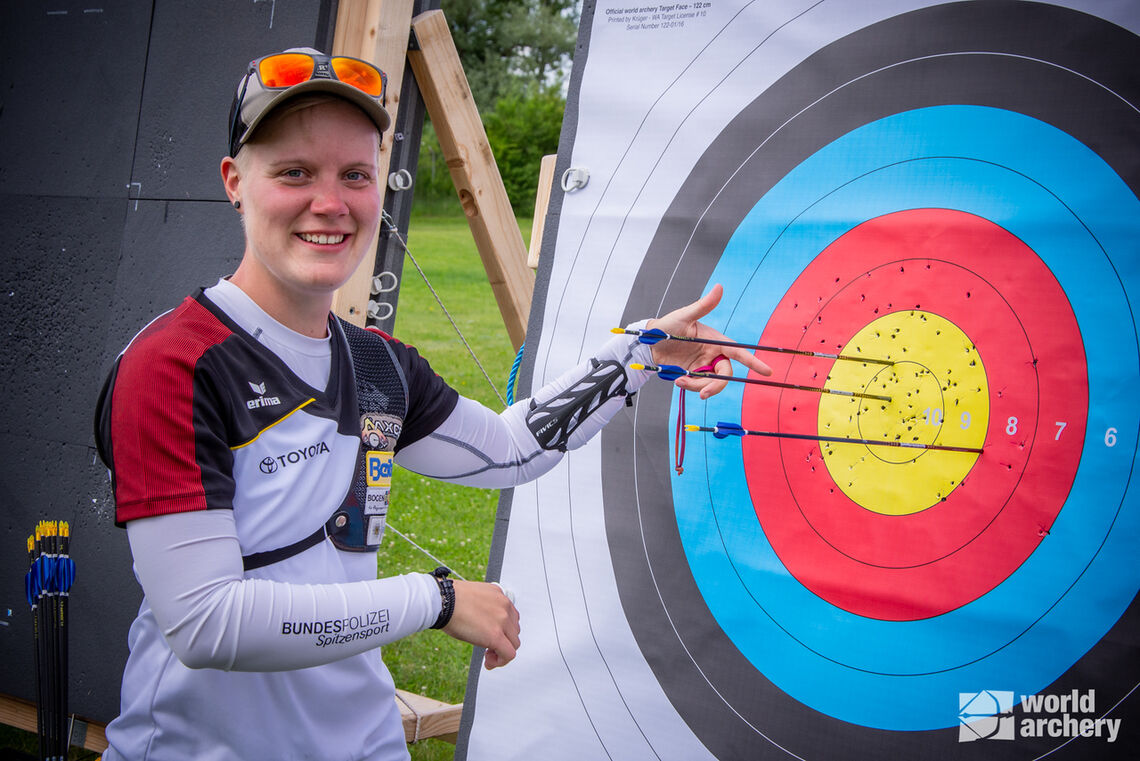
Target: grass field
[(453, 523)]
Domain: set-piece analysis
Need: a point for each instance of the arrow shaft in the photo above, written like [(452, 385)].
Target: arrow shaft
[(842, 440), (760, 347), (794, 386)]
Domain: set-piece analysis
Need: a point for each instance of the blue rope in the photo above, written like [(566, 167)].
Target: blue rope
[(514, 376)]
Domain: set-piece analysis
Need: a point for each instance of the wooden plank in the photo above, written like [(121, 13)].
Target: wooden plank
[(21, 714), (378, 32), (541, 204), (435, 719), (426, 718), (447, 95)]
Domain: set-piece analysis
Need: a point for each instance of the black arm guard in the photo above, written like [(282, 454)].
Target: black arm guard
[(553, 421)]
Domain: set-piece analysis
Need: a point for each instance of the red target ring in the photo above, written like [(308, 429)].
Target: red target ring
[(992, 287)]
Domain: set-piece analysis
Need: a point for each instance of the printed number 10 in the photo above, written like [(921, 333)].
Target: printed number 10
[(934, 417)]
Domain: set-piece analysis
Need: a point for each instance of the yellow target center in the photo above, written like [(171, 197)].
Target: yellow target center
[(939, 397)]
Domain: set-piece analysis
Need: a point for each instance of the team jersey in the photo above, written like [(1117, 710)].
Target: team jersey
[(210, 418), (197, 414)]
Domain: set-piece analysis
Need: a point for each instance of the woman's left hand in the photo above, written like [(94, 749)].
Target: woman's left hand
[(685, 321)]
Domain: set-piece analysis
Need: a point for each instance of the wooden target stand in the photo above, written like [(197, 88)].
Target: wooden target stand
[(387, 34), (379, 32)]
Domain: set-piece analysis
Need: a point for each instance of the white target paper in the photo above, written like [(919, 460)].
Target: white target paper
[(658, 87)]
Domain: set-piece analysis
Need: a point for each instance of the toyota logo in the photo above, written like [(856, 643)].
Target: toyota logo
[(268, 465)]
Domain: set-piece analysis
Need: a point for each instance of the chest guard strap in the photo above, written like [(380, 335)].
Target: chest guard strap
[(260, 559), (382, 402)]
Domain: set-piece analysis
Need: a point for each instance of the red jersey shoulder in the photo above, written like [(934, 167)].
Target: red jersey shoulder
[(184, 333), (164, 354), (151, 423)]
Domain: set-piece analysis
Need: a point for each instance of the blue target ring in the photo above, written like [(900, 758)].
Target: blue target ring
[(1015, 171)]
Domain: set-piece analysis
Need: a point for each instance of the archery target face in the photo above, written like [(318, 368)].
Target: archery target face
[(906, 534), (943, 191)]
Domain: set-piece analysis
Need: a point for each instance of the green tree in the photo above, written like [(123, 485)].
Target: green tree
[(433, 178), (522, 129), (547, 34), (513, 52), (508, 44)]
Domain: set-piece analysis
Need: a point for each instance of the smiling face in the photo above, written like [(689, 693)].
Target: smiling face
[(310, 204)]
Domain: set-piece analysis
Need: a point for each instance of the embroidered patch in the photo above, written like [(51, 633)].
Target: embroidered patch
[(379, 431)]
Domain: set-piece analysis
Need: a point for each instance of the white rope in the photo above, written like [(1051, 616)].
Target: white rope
[(416, 735)]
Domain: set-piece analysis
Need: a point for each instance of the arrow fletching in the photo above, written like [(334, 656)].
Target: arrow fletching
[(652, 336), (723, 430)]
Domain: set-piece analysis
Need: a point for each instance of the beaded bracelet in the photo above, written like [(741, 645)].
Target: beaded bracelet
[(447, 596)]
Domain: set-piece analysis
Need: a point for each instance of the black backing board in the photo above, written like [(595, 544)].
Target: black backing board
[(112, 126), (70, 85), (197, 53)]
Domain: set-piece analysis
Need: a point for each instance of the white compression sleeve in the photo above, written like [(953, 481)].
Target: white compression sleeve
[(477, 447), (190, 568)]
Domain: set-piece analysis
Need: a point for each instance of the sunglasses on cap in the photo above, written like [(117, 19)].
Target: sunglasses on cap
[(282, 71)]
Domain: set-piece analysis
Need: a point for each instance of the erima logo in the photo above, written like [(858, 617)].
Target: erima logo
[(271, 464), (262, 400)]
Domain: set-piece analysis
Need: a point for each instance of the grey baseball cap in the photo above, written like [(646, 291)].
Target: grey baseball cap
[(253, 101)]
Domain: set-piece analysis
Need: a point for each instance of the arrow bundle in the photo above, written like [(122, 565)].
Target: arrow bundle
[(51, 572)]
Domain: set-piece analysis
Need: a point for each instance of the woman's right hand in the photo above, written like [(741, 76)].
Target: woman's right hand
[(485, 617)]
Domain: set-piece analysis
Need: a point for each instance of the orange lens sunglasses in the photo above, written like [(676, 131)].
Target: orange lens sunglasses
[(287, 69)]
